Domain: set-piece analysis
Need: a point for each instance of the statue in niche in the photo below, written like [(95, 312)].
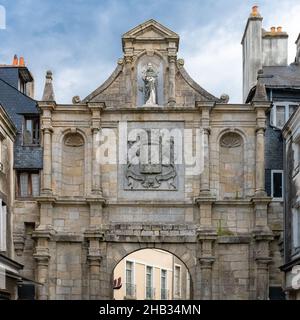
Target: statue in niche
[(150, 85)]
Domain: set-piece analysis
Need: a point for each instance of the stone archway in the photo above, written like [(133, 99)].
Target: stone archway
[(185, 252)]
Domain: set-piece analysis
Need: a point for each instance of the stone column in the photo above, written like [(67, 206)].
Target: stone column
[(206, 240), (94, 259), (96, 169), (42, 257), (46, 122), (47, 161), (172, 71), (260, 162)]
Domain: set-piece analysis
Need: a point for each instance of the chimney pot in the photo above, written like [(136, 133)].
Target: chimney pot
[(279, 29), (273, 29), (15, 60), (21, 62)]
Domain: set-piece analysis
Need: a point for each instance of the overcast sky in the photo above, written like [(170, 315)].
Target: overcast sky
[(80, 40)]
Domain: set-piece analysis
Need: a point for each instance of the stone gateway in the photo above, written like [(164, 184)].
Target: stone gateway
[(91, 213)]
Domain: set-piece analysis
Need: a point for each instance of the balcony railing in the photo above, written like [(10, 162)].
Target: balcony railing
[(150, 293), (130, 291), (164, 294)]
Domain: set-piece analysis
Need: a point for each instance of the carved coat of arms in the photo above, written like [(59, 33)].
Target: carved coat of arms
[(155, 168)]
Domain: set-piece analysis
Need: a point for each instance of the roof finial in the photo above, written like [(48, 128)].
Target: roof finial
[(260, 91), (48, 94)]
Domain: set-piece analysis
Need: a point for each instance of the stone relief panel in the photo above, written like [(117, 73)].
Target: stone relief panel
[(150, 81), (152, 170), (156, 168), (231, 166)]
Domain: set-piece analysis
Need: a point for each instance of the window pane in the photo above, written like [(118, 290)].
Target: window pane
[(23, 184), (277, 185), (280, 116), (292, 109), (35, 180), (28, 131)]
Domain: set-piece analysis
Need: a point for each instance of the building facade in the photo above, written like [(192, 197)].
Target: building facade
[(95, 208), (265, 55), (152, 274), (9, 268)]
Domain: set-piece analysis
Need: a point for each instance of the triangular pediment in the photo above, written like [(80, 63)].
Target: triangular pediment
[(150, 30)]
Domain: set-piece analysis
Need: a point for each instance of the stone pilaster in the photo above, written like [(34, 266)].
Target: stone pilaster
[(96, 127), (262, 259), (172, 71), (205, 263), (94, 259), (46, 122), (127, 61), (42, 258)]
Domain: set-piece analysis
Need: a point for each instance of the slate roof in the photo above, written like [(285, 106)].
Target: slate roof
[(282, 77)]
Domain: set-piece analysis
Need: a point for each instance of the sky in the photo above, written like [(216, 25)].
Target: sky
[(80, 40)]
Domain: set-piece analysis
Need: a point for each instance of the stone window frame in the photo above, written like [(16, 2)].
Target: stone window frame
[(282, 185), (273, 113)]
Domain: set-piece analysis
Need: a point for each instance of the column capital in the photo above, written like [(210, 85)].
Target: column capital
[(47, 129), (260, 130), (206, 262)]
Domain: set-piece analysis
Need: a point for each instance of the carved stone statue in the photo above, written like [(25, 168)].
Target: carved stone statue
[(150, 85)]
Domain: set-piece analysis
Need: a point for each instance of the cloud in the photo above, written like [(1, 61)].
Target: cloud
[(81, 40)]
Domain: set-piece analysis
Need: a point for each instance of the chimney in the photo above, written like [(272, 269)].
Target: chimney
[(275, 47), (21, 62), (297, 59), (15, 60), (252, 50)]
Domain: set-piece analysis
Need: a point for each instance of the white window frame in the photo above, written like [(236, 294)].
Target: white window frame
[(286, 105), (133, 273), (175, 293), (152, 281), (272, 185), (3, 226), (166, 288)]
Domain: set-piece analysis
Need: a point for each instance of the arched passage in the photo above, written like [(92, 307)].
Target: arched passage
[(152, 273)]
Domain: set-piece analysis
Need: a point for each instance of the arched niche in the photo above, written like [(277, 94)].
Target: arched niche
[(231, 166), (157, 63), (73, 165)]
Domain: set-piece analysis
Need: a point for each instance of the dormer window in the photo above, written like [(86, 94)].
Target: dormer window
[(31, 131), (281, 113)]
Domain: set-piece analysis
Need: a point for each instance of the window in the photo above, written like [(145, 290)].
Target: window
[(31, 131), (177, 281), (163, 285), (281, 112), (22, 85), (296, 228), (28, 184), (277, 184), (130, 288), (3, 226), (149, 282)]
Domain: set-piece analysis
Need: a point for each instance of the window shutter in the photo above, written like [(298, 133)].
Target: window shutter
[(4, 216)]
